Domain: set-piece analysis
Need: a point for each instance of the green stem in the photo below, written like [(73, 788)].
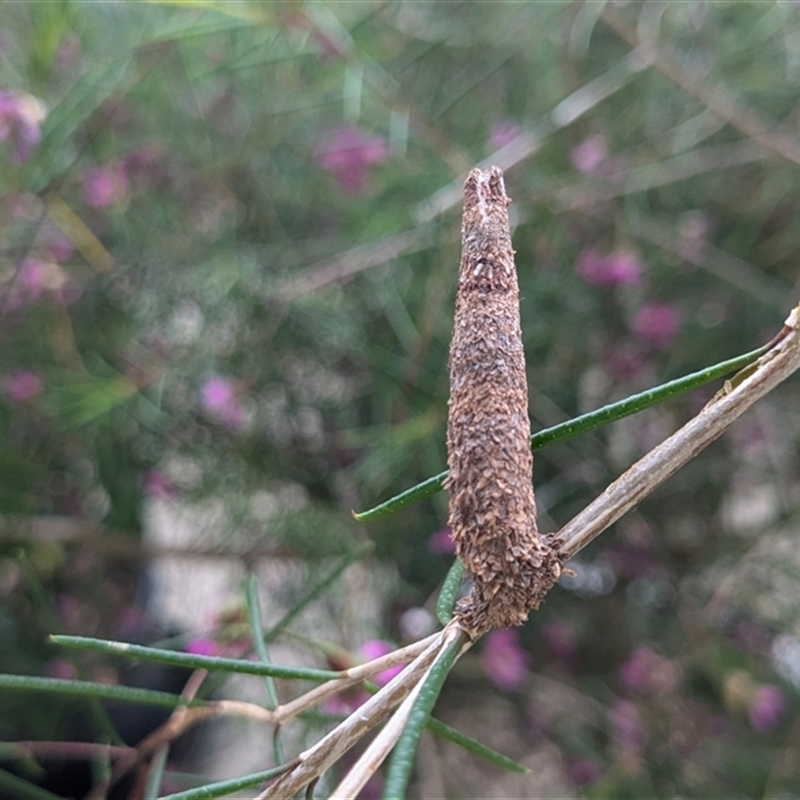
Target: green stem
[(221, 788), (402, 761), (447, 597), (257, 631), (191, 660), (102, 691)]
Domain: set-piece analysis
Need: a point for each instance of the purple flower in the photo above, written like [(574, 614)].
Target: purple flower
[(21, 386), (561, 642), (21, 116), (348, 153), (155, 484), (218, 398), (375, 648), (504, 661), (585, 771), (147, 163), (441, 543), (32, 279), (203, 647), (627, 728), (105, 186), (57, 244), (646, 672), (60, 668), (589, 155), (501, 133), (767, 708), (619, 268), (656, 324), (624, 363)]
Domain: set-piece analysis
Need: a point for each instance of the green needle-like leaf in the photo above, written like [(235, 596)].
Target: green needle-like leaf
[(473, 746), (447, 597), (102, 691), (257, 631), (192, 661), (220, 789), (403, 757), (578, 425), (321, 587)]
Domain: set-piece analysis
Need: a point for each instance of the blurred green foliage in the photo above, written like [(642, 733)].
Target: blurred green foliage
[(228, 245)]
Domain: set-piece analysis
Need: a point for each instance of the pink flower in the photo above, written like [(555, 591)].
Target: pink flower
[(57, 244), (21, 116), (348, 153), (625, 362), (155, 484), (105, 186), (502, 133), (375, 648), (21, 386), (561, 642), (147, 163), (31, 280), (60, 668), (656, 324), (620, 267), (589, 154), (627, 727), (441, 544), (218, 398), (504, 661), (585, 771), (647, 673), (767, 708), (203, 647)]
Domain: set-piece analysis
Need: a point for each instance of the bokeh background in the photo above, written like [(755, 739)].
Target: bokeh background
[(229, 235)]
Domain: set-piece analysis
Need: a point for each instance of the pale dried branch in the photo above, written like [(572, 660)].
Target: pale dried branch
[(350, 677), (312, 763), (384, 742)]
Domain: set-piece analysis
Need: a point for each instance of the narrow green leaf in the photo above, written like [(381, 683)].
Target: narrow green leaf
[(473, 746), (403, 757), (447, 597), (191, 660), (102, 691), (257, 631), (428, 487), (221, 788), (320, 588), (578, 425)]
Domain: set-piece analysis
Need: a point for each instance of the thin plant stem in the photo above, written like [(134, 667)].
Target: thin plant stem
[(413, 712), (314, 761), (320, 588), (191, 660), (447, 596), (257, 632)]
